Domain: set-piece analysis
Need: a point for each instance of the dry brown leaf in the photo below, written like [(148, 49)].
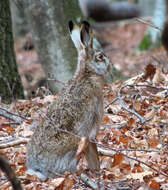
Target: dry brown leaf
[(68, 183), (152, 142), (139, 176), (125, 168), (106, 162), (137, 106), (124, 140), (158, 78), (137, 168), (150, 114), (58, 183), (131, 121), (153, 184), (150, 71), (117, 159), (106, 120)]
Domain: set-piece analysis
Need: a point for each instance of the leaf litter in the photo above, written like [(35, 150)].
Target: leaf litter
[(132, 155)]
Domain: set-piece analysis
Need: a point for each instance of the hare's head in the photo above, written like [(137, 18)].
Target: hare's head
[(90, 60)]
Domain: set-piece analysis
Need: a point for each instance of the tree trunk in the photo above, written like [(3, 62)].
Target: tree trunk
[(165, 29), (19, 22), (152, 38), (48, 19), (10, 83)]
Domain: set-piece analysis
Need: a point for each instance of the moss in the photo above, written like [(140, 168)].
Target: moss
[(146, 43), (76, 14)]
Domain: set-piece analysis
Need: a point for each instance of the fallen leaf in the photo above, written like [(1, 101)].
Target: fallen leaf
[(153, 184), (150, 70), (117, 159), (137, 168), (68, 183), (106, 120), (58, 183)]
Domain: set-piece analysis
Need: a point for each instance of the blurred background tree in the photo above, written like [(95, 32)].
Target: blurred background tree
[(48, 22), (10, 82), (157, 10), (48, 19)]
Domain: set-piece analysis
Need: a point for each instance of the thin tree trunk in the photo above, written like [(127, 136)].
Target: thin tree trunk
[(48, 19), (152, 37), (10, 82)]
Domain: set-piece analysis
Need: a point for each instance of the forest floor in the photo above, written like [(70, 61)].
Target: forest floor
[(133, 140)]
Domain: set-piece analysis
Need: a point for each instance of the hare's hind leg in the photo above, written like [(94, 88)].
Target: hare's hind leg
[(37, 173), (62, 163), (35, 167), (91, 156), (45, 166)]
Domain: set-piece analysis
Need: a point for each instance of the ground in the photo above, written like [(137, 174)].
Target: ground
[(133, 147)]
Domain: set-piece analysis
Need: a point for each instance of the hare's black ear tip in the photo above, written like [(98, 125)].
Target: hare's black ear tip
[(70, 24), (86, 23)]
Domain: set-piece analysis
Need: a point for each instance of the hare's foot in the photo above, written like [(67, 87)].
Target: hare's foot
[(91, 156), (37, 173)]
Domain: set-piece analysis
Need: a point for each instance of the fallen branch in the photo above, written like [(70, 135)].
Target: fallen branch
[(110, 153), (13, 143), (137, 150), (9, 115), (88, 181), (142, 119), (148, 23), (150, 86), (115, 99)]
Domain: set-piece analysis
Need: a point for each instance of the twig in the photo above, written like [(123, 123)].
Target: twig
[(147, 23), (13, 143), (108, 152), (150, 86), (142, 119), (115, 99), (137, 150), (15, 114), (88, 181), (9, 115)]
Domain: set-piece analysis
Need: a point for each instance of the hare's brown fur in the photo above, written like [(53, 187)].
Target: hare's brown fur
[(68, 112), (77, 111)]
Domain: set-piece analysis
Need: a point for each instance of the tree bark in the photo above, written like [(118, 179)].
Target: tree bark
[(48, 19), (165, 29), (19, 22), (152, 37), (10, 82)]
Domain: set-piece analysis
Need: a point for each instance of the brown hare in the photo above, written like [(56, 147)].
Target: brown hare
[(77, 110)]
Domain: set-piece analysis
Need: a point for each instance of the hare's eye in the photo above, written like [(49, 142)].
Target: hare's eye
[(99, 57)]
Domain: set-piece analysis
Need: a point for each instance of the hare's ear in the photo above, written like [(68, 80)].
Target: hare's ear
[(75, 35), (85, 36)]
